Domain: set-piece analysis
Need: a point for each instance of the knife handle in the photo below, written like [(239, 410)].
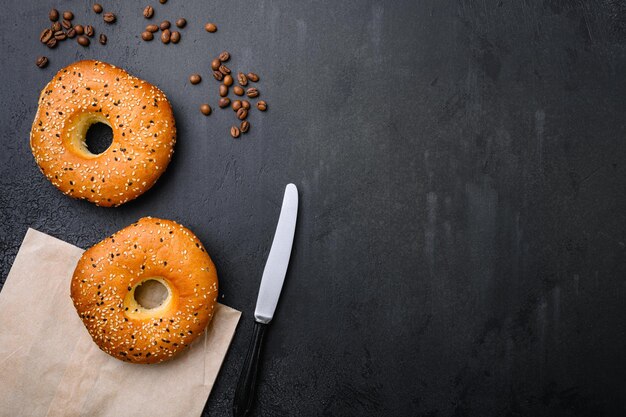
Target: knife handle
[(246, 387)]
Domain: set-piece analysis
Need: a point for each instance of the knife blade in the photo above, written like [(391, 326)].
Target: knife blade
[(269, 293)]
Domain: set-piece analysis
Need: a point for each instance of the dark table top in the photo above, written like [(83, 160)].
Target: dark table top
[(461, 245)]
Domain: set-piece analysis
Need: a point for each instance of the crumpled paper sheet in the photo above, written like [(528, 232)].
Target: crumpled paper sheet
[(49, 366)]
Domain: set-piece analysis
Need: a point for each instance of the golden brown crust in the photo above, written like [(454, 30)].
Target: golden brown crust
[(140, 116), (108, 272)]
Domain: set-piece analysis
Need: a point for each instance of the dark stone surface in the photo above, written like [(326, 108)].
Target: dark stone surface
[(461, 242)]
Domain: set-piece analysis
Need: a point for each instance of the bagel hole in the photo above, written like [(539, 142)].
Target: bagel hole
[(98, 138), (151, 294)]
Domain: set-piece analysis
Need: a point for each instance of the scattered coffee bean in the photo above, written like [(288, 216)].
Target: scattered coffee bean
[(210, 27), (42, 62), (165, 24), (245, 104), (218, 75), (56, 26), (71, 33), (60, 35), (236, 105), (66, 24), (242, 113), (261, 105), (147, 36), (181, 23), (238, 90), (79, 29), (89, 31), (252, 92), (166, 36), (148, 12), (46, 34), (224, 56), (195, 79), (228, 80), (162, 1), (67, 15), (52, 42), (103, 39), (241, 77), (152, 28), (215, 64), (83, 40), (223, 90), (97, 8), (234, 132), (245, 126), (253, 77), (205, 109), (224, 102), (109, 18), (224, 69), (53, 15), (175, 37)]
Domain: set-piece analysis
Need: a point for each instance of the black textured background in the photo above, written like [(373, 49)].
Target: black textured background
[(461, 241)]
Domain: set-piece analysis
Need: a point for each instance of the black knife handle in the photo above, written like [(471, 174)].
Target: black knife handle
[(246, 387)]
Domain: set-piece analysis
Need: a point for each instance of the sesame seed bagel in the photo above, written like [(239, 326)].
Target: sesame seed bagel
[(139, 115), (108, 274)]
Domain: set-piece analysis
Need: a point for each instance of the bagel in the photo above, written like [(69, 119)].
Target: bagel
[(107, 277), (139, 114)]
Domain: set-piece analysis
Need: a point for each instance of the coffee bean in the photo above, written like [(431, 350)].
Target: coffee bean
[(215, 64), (252, 92), (224, 69), (236, 105), (218, 75), (242, 113), (109, 18), (223, 90), (46, 34), (103, 39), (175, 37), (166, 36), (165, 24), (253, 77), (97, 8), (224, 56), (52, 42), (152, 28), (53, 15), (241, 77), (205, 109), (224, 102), (195, 79), (148, 12), (83, 40), (261, 105), (245, 126), (238, 90), (60, 35), (234, 132), (181, 23), (66, 24), (245, 104), (71, 33), (228, 80), (56, 26), (147, 36), (42, 62), (67, 15), (162, 1), (89, 31), (79, 29), (210, 27)]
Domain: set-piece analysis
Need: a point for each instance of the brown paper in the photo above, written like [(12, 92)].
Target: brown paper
[(49, 366)]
